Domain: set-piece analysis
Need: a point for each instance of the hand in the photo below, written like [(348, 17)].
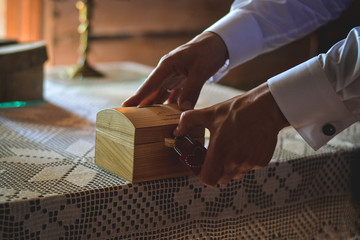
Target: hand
[(243, 134), (180, 75)]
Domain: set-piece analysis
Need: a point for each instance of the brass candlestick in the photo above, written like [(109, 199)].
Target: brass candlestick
[(84, 69)]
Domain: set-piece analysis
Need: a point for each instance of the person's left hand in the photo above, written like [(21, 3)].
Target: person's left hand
[(243, 134), (180, 74)]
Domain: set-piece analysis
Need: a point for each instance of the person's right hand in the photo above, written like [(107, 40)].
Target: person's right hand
[(243, 134), (180, 74)]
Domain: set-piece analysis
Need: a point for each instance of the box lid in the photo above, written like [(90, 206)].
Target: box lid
[(140, 125), (16, 57)]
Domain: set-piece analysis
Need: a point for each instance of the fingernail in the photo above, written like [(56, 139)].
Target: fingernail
[(186, 105)]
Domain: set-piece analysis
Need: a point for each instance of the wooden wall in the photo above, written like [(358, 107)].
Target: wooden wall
[(24, 20), (128, 30), (143, 31)]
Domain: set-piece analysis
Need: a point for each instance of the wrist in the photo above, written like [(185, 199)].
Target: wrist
[(269, 106), (214, 43)]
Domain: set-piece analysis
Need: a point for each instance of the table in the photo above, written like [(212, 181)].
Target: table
[(50, 187)]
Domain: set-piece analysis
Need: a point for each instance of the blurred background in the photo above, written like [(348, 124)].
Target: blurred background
[(143, 31)]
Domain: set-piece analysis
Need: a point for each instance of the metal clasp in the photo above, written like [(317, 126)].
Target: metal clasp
[(192, 155), (186, 137)]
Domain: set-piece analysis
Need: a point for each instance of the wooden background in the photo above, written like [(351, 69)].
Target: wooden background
[(128, 30), (143, 31)]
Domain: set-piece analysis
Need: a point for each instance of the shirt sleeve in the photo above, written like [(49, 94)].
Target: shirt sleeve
[(253, 27), (321, 97)]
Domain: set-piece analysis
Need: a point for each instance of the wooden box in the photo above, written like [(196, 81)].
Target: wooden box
[(130, 142), (21, 71)]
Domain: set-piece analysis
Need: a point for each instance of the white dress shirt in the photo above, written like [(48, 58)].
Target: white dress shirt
[(320, 97)]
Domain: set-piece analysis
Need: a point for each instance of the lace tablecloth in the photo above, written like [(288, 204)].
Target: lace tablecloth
[(50, 187)]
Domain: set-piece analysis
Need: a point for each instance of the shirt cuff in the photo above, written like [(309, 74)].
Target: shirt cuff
[(241, 34), (309, 103)]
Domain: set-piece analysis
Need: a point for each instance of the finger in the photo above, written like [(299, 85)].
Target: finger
[(236, 172), (212, 169), (190, 120), (151, 84), (190, 93), (225, 179), (159, 96), (241, 171), (239, 175), (163, 97), (174, 95)]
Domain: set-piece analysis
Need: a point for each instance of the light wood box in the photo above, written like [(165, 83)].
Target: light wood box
[(130, 142)]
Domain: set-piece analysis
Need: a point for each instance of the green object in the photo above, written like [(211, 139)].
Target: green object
[(17, 104)]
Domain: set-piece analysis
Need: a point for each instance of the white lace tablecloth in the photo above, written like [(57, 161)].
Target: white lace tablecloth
[(50, 187)]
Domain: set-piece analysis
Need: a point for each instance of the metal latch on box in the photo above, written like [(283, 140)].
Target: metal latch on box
[(191, 152)]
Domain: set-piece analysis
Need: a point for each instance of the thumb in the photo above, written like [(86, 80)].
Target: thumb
[(189, 120)]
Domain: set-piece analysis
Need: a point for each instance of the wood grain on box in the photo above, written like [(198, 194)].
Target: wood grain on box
[(130, 142)]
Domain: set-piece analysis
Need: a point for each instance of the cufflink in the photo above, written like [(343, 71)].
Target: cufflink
[(328, 129)]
